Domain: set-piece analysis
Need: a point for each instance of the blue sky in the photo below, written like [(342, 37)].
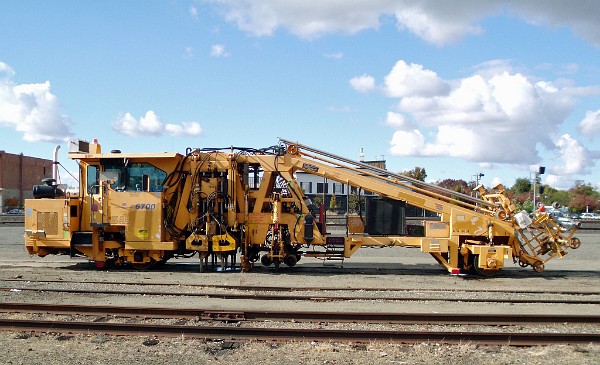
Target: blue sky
[(458, 87)]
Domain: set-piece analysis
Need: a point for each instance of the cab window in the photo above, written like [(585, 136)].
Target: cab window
[(92, 179), (135, 176)]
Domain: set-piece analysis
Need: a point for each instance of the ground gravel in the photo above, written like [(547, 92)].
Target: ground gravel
[(101, 349), (405, 269)]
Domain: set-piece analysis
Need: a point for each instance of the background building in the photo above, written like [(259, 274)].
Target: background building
[(314, 186), (18, 174)]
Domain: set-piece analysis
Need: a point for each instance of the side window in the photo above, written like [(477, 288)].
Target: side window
[(145, 177), (134, 176), (119, 184), (92, 179)]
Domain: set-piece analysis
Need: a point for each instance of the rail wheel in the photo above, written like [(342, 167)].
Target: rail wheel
[(538, 266), (143, 265), (488, 273), (266, 260), (575, 243), (290, 260), (523, 263)]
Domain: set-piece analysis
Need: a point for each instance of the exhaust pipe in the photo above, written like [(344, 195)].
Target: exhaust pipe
[(55, 163)]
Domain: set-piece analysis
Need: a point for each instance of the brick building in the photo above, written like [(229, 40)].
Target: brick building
[(18, 174)]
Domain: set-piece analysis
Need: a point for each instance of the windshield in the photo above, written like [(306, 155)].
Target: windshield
[(136, 176)]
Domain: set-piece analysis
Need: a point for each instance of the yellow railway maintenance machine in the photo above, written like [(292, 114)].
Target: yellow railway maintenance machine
[(143, 209)]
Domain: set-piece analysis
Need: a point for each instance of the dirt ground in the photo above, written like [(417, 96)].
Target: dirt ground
[(389, 268)]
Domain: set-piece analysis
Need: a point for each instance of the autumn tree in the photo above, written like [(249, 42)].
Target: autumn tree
[(460, 186), (584, 197)]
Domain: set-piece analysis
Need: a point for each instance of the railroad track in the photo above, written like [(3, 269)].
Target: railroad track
[(307, 297), (295, 334), (239, 333), (490, 319), (269, 288)]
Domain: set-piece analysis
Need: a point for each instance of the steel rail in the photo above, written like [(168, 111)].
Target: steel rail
[(311, 288), (257, 296), (293, 334), (491, 319)]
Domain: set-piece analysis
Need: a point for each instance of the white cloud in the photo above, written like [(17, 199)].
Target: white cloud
[(413, 80), (582, 18), (590, 125), (493, 116), (363, 84), (407, 143), (562, 182), (6, 70), (399, 121), (442, 22), (183, 129), (152, 125), (218, 50), (304, 18), (437, 22), (31, 109), (495, 181), (574, 157)]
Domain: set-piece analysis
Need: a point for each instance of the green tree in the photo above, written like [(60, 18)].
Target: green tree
[(332, 203), (551, 195), (521, 185), (354, 201), (318, 200), (526, 205), (418, 173)]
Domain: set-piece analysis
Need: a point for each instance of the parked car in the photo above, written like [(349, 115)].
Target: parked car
[(593, 216), (563, 220), (15, 211)]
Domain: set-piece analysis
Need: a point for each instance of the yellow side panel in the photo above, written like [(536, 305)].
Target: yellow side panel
[(158, 246), (434, 245), (260, 218), (46, 215), (437, 229), (140, 212), (356, 225), (468, 224), (499, 251)]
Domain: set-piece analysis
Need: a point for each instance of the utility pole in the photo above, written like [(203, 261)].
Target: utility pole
[(477, 177), (540, 171)]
